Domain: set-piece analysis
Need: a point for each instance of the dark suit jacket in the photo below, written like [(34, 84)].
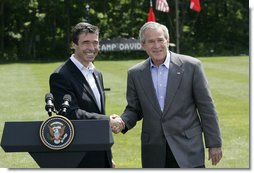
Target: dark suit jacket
[(189, 110), (67, 79)]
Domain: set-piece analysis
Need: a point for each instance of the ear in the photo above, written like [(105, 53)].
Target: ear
[(168, 43), (73, 45), (143, 46)]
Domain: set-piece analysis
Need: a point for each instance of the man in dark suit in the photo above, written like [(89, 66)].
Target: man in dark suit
[(170, 93), (79, 78)]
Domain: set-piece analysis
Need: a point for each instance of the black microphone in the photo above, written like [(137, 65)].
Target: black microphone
[(66, 103), (49, 103)]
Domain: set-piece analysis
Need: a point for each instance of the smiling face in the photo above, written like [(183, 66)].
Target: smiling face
[(156, 45), (86, 48)]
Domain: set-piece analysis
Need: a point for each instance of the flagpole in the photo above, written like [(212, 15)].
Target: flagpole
[(177, 28)]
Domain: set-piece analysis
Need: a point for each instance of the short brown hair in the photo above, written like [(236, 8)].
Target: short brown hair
[(83, 27)]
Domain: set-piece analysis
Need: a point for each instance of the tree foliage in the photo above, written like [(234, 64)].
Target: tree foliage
[(40, 29)]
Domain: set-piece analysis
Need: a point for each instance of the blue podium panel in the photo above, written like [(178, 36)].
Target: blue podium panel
[(89, 136)]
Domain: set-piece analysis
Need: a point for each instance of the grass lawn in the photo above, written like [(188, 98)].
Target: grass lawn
[(23, 87)]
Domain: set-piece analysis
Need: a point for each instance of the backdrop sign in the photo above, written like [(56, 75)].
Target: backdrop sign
[(120, 44)]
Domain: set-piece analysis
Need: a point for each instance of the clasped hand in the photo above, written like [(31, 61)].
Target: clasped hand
[(116, 123)]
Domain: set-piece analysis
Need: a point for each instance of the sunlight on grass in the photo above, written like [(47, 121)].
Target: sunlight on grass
[(24, 86)]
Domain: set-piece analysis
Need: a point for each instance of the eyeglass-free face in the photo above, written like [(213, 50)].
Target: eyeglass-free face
[(156, 45), (87, 48)]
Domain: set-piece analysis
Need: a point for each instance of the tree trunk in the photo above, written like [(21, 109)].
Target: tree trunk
[(2, 26)]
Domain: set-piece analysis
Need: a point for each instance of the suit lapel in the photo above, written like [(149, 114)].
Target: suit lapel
[(98, 81), (147, 84), (81, 79), (174, 79)]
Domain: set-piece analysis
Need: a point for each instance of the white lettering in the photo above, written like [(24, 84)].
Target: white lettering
[(120, 46), (130, 46), (108, 47)]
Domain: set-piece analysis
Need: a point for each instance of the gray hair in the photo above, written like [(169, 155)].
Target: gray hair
[(83, 27), (152, 25)]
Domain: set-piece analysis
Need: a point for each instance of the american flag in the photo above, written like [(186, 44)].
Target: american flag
[(162, 5)]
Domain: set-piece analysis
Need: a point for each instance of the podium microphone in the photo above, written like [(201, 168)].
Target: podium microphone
[(66, 103), (49, 103)]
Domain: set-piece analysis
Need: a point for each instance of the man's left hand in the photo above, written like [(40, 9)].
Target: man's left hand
[(215, 154)]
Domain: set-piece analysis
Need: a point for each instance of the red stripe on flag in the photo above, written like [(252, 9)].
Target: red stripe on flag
[(162, 5)]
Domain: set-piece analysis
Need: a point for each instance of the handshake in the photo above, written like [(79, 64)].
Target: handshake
[(116, 123)]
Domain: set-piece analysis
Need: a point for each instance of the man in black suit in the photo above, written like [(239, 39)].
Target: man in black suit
[(79, 78)]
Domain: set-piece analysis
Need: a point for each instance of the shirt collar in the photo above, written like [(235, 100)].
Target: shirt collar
[(80, 66), (166, 62)]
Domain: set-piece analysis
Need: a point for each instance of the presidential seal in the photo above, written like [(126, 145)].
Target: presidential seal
[(56, 132)]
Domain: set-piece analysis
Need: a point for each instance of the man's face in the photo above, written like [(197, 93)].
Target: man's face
[(87, 48), (155, 45)]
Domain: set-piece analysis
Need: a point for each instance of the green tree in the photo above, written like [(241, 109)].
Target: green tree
[(40, 29)]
